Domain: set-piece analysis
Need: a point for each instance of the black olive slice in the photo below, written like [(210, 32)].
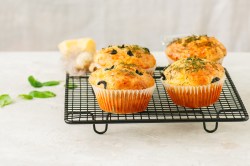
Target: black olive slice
[(130, 53), (112, 67), (103, 82), (139, 73), (113, 52), (215, 79)]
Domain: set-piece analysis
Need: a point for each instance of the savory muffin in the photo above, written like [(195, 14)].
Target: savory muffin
[(131, 54), (202, 46), (193, 82), (122, 88)]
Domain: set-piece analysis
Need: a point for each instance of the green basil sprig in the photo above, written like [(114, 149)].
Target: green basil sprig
[(37, 84)]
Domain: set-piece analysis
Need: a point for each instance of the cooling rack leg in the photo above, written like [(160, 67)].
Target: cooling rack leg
[(210, 131), (100, 132), (106, 125)]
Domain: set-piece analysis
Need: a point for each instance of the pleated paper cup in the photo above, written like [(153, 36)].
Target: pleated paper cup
[(195, 96), (151, 70), (123, 101)]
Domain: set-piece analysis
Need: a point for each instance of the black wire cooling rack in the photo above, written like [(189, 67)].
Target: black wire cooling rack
[(81, 107)]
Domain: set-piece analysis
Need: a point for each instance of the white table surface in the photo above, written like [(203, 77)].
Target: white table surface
[(34, 132)]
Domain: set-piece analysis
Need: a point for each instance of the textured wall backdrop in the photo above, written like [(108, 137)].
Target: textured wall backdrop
[(39, 25)]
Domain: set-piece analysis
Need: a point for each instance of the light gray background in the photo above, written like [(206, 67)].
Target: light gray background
[(39, 25)]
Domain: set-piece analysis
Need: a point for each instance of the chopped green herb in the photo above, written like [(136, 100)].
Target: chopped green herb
[(138, 72), (25, 96), (128, 64), (42, 94), (187, 40), (137, 47), (134, 47), (121, 47), (129, 72), (192, 38), (5, 99), (113, 52), (176, 40), (192, 64)]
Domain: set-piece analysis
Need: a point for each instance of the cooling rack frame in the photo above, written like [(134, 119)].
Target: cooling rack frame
[(81, 107)]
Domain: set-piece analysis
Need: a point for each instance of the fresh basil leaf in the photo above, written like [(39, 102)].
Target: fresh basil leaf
[(5, 99), (35, 83), (71, 86), (51, 83), (25, 96), (42, 94)]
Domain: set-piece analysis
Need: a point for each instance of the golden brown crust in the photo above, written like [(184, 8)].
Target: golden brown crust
[(193, 72), (200, 46), (131, 54), (122, 77)]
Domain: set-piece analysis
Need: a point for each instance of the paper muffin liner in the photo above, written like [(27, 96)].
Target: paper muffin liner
[(151, 70), (195, 96), (170, 61), (123, 101)]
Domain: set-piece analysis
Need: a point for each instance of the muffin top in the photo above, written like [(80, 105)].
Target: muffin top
[(121, 76), (193, 72), (200, 46), (130, 54)]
